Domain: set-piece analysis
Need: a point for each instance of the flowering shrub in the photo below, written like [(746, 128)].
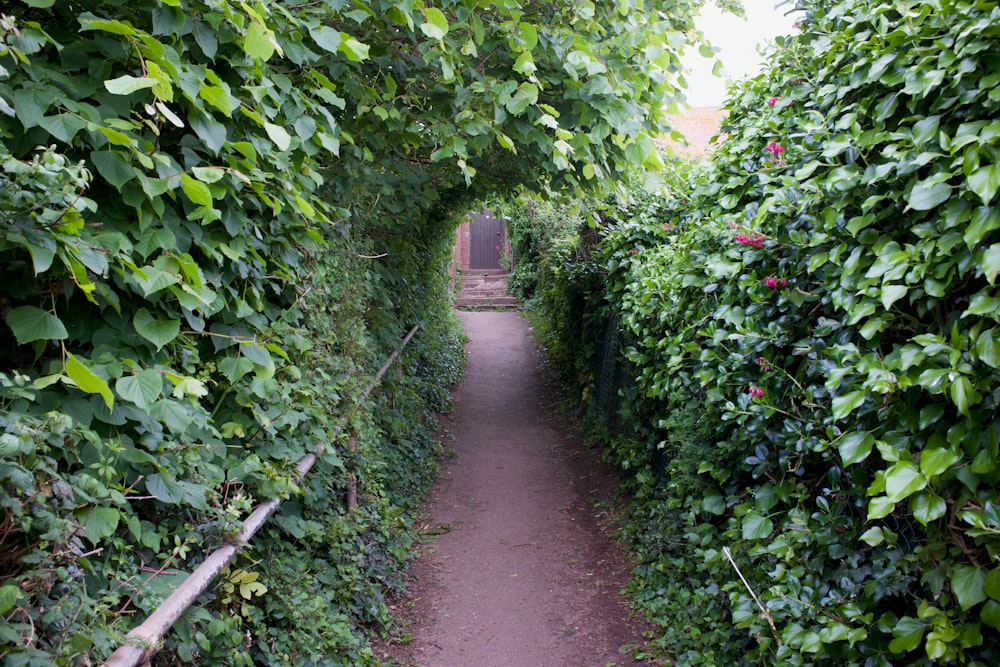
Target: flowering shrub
[(815, 462)]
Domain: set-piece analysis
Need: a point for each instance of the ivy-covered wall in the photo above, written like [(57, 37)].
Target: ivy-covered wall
[(812, 316)]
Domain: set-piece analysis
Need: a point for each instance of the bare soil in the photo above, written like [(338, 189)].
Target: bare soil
[(519, 568)]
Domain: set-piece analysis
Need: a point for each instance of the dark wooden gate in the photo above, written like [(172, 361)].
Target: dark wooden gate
[(485, 241)]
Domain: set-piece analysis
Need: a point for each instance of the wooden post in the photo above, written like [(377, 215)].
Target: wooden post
[(352, 480)]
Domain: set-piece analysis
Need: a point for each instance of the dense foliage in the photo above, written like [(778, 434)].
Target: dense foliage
[(812, 319), (217, 219)]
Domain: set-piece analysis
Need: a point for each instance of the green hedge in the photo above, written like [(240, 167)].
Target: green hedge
[(813, 319)]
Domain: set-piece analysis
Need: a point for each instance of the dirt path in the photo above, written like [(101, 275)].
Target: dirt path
[(522, 574)]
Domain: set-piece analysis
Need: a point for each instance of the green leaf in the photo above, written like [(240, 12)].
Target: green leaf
[(157, 332), (985, 182), (984, 220), (757, 527), (196, 191), (991, 586), (278, 135), (962, 394), (114, 168), (143, 388), (525, 64), (29, 324), (436, 26), (891, 294), (855, 447), (63, 126), (991, 262), (210, 131), (255, 353), (935, 461), (990, 614), (235, 367), (257, 44), (968, 584), (880, 507), (163, 489), (908, 632), (714, 503), (526, 95), (352, 48), (126, 85), (8, 597), (87, 381), (925, 196), (927, 507), (902, 480), (848, 403), (326, 38), (873, 536), (217, 96), (175, 416), (40, 4), (99, 523), (208, 174)]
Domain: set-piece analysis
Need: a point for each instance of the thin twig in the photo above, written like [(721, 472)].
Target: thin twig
[(736, 567)]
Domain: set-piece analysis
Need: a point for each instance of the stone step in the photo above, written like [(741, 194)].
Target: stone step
[(485, 302), (485, 272), (484, 289), (484, 280)]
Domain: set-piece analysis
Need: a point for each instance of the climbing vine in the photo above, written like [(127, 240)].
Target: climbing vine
[(811, 318), (217, 218)]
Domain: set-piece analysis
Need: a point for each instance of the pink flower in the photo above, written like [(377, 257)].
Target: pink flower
[(774, 100), (775, 283), (755, 240), (755, 392), (775, 148)]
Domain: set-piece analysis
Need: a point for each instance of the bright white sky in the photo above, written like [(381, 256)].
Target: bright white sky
[(738, 38)]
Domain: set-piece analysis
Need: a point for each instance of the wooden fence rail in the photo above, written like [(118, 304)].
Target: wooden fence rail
[(142, 639)]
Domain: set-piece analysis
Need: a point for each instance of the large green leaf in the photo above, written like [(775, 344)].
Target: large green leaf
[(847, 403), (63, 126), (158, 332), (279, 136), (855, 447), (927, 506), (99, 523), (925, 196), (902, 480), (258, 43), (30, 323), (934, 462), (907, 633), (968, 583), (196, 191), (327, 38), (143, 388), (757, 527), (985, 182), (126, 85), (115, 169), (88, 381), (436, 26)]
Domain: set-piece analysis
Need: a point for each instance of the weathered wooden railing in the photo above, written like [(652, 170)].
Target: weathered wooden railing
[(142, 639)]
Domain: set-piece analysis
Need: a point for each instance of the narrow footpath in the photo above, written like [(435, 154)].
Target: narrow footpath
[(519, 569)]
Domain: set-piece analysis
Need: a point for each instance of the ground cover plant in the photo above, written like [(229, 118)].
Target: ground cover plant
[(218, 218), (812, 319)]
